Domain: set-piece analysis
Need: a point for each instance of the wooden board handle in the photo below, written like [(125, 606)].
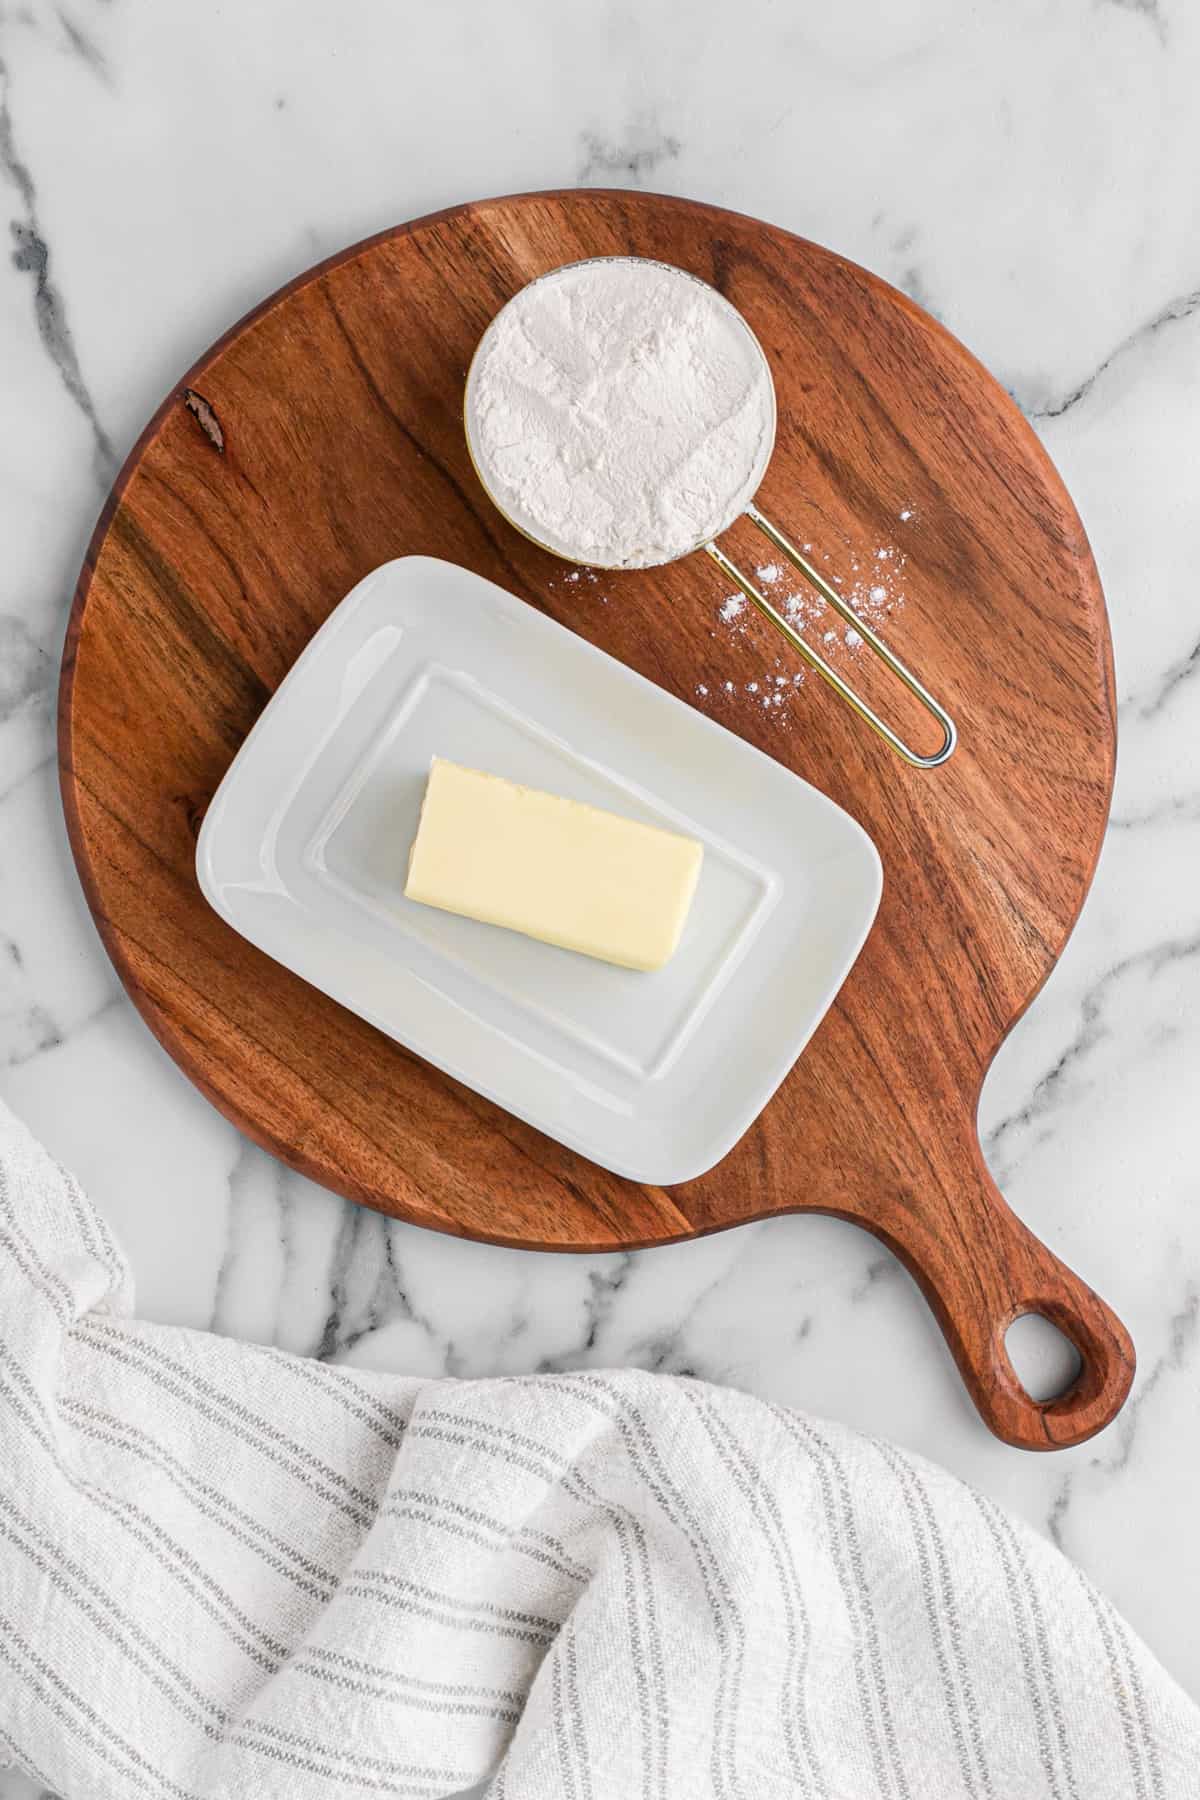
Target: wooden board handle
[(998, 1271)]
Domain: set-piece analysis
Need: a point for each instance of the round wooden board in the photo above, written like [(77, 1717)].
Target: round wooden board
[(322, 437)]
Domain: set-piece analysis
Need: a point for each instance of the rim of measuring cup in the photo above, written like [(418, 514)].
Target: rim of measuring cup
[(706, 537)]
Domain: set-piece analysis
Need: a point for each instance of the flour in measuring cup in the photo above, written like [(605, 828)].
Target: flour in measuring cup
[(620, 412)]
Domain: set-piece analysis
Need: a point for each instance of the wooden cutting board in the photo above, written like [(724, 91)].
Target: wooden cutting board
[(323, 436)]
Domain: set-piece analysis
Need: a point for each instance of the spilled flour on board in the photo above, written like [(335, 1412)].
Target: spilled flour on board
[(872, 583), (574, 577)]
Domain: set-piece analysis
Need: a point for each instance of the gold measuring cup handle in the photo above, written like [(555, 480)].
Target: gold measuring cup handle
[(786, 548)]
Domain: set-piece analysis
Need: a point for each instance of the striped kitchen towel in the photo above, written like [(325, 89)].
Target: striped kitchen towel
[(225, 1571)]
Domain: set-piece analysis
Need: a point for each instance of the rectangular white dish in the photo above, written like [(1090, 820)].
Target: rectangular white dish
[(305, 845)]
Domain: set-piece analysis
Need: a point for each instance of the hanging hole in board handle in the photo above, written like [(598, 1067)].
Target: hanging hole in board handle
[(1044, 1360), (983, 1278), (1021, 1275), (867, 713), (1099, 1389)]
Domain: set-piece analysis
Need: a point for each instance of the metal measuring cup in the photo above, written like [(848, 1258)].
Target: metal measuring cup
[(721, 523)]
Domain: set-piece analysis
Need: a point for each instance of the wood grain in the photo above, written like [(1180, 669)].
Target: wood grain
[(323, 436)]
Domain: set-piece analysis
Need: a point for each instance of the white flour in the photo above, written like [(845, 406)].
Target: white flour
[(620, 412), (872, 583)]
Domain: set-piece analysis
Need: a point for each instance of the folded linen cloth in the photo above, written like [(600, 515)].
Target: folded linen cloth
[(225, 1571)]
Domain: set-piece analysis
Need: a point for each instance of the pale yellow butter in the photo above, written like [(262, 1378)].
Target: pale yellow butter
[(554, 869)]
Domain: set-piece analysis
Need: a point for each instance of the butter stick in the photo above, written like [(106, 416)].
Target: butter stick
[(556, 870)]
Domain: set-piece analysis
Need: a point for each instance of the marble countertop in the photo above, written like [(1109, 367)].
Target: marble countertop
[(1028, 174)]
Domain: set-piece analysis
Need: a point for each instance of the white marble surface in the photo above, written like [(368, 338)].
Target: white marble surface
[(1027, 172)]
